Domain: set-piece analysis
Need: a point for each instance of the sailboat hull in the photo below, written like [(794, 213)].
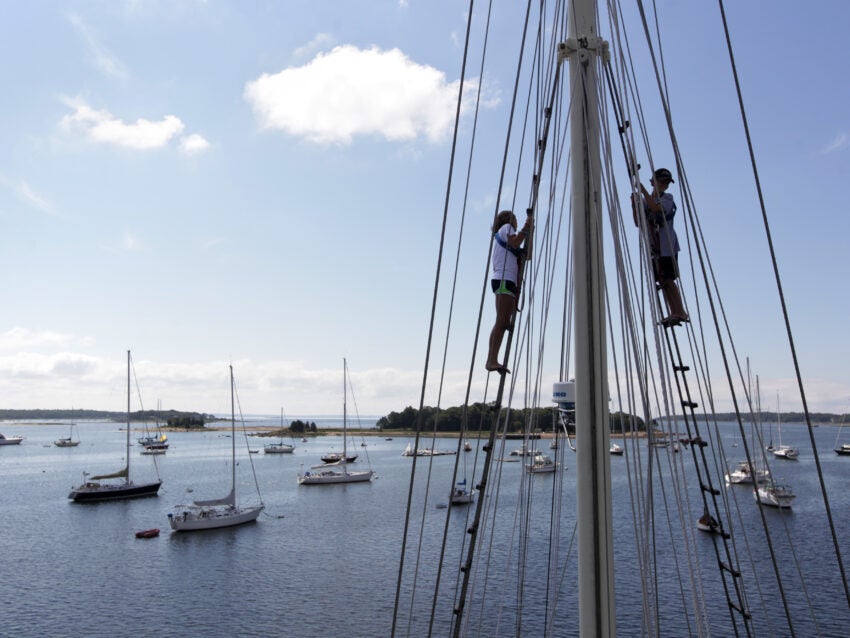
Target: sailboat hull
[(96, 492), (777, 496), (278, 448), (332, 478), (201, 518)]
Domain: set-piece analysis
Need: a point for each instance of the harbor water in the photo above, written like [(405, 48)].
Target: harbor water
[(325, 560)]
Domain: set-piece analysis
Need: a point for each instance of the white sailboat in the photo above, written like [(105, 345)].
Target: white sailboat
[(743, 474), (281, 447), (541, 464), (92, 490), (218, 512), (461, 495), (337, 472), (788, 452), (774, 494), (842, 449)]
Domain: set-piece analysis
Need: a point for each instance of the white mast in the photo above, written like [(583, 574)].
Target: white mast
[(232, 442), (593, 465), (127, 477), (344, 415)]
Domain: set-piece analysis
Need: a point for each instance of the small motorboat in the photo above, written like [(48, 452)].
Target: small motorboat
[(148, 533)]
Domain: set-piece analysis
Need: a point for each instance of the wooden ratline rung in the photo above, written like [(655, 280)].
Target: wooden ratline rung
[(747, 615), (709, 489), (730, 569)]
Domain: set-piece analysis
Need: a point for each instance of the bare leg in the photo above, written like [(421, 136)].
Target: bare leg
[(505, 307), (674, 300)]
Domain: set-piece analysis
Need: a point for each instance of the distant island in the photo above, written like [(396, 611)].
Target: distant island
[(479, 417), (170, 418)]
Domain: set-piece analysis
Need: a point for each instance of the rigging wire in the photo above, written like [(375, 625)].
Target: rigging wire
[(781, 293), (636, 364), (432, 320)]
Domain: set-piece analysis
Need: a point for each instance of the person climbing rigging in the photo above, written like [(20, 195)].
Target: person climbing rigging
[(660, 209), (507, 264)]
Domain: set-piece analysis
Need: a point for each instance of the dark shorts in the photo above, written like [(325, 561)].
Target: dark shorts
[(503, 287), (667, 268)]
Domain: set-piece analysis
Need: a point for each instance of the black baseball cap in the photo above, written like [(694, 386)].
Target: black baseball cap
[(664, 175)]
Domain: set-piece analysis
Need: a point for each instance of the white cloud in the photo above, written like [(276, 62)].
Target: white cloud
[(319, 42), (102, 58), (839, 143), (17, 337), (212, 242), (127, 243), (102, 127), (351, 91), (25, 193), (193, 144)]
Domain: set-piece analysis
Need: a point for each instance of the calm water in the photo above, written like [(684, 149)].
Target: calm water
[(330, 564)]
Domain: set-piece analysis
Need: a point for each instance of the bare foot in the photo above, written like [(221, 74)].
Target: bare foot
[(496, 367)]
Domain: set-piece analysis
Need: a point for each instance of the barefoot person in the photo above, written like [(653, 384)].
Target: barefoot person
[(660, 210), (506, 261)]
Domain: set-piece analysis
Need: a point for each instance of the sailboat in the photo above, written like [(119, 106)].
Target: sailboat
[(217, 512), (92, 490), (842, 449), (68, 441), (461, 495), (774, 494), (337, 472), (157, 444), (281, 447), (541, 464), (784, 451)]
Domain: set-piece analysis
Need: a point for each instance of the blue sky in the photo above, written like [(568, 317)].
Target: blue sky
[(263, 183)]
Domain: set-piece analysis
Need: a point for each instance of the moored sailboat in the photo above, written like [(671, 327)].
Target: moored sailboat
[(541, 464), (337, 471), (68, 441), (788, 452), (218, 512), (774, 494), (279, 447), (92, 490)]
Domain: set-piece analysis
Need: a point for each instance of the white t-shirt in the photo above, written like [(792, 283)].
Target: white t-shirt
[(504, 261)]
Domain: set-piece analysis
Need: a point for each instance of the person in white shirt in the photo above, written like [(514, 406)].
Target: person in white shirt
[(506, 256)]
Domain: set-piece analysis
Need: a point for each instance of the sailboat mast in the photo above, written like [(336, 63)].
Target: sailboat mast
[(344, 412), (127, 477), (232, 439), (593, 485)]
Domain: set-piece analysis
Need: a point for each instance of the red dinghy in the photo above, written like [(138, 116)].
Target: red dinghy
[(148, 533)]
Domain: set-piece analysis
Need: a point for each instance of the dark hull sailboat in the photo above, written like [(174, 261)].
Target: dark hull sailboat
[(92, 491)]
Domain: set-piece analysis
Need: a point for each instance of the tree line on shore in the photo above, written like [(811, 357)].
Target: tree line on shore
[(479, 416), (171, 418)]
